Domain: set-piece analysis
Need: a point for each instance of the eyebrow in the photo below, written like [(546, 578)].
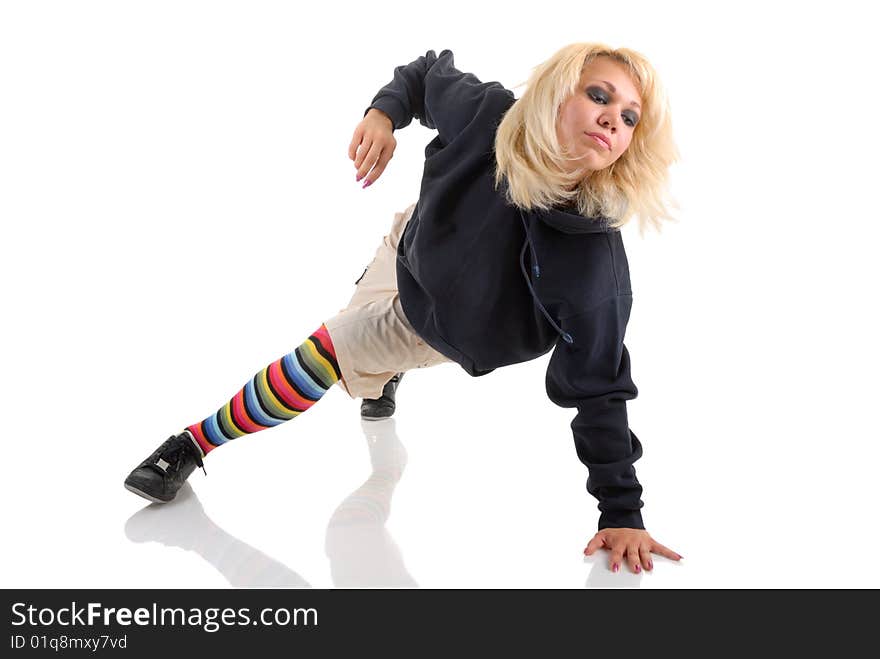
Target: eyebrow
[(614, 91)]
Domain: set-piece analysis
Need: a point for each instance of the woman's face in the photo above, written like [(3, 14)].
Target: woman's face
[(607, 104)]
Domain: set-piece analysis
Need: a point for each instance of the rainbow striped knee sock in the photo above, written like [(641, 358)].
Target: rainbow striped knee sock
[(284, 389)]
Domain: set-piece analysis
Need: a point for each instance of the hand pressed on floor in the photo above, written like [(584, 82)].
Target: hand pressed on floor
[(634, 544)]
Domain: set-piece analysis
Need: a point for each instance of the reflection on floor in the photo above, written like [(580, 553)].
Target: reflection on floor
[(361, 551)]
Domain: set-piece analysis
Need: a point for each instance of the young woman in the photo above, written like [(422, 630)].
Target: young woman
[(513, 249)]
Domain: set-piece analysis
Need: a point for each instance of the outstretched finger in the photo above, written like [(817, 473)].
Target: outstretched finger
[(616, 559), (594, 544), (355, 141), (369, 160), (633, 558), (379, 168), (665, 551), (360, 153)]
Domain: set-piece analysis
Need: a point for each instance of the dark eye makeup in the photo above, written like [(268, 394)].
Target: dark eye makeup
[(599, 95)]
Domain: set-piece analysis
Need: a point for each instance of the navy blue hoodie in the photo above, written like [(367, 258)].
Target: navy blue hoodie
[(488, 284)]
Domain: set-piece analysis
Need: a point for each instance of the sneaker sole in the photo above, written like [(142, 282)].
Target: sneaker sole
[(374, 416), (143, 494)]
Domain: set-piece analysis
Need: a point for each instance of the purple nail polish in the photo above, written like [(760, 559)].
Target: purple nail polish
[(368, 184), (357, 178), (615, 567), (638, 568)]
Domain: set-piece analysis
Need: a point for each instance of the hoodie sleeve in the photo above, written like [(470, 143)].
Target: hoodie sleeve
[(593, 375), (433, 91)]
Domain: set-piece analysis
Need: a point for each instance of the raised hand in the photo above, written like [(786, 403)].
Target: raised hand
[(372, 145)]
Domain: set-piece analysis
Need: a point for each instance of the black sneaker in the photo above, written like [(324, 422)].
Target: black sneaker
[(382, 407), (163, 473)]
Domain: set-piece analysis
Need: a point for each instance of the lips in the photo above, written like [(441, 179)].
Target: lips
[(601, 139)]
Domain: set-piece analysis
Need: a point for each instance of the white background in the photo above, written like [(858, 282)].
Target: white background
[(178, 210)]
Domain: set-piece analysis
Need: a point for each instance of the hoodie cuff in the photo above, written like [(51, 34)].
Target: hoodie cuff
[(621, 519), (390, 106)]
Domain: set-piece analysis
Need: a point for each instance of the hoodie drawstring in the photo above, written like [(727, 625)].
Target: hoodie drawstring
[(537, 270)]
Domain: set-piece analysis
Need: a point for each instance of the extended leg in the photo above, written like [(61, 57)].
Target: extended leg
[(283, 390)]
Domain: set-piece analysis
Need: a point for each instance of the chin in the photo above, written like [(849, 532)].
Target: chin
[(594, 165)]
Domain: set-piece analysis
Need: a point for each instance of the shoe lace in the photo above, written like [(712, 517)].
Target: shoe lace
[(175, 450)]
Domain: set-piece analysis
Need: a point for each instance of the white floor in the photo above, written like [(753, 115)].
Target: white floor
[(487, 497), (326, 500)]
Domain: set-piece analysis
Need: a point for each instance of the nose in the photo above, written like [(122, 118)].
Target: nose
[(609, 120)]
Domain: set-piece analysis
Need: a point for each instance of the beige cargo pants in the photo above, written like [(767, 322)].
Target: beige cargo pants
[(372, 338)]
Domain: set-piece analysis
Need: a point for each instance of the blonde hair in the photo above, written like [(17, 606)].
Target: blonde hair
[(530, 158)]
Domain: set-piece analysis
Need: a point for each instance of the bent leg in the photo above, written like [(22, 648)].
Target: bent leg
[(374, 341)]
